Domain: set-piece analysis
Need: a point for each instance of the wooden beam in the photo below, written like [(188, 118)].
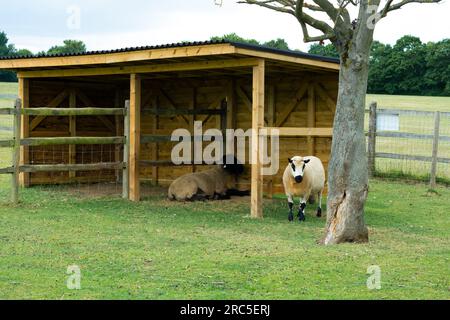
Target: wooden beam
[(323, 94), (311, 118), (72, 111), (301, 132), (281, 119), (72, 167), (241, 93), (231, 105), (155, 146), (271, 122), (16, 154), (331, 66), (118, 122), (53, 104), (169, 67), (24, 96), (135, 136), (108, 123), (70, 140), (171, 103), (73, 132), (120, 57), (257, 124), (126, 153)]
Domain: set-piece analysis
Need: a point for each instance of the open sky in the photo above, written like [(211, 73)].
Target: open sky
[(109, 24)]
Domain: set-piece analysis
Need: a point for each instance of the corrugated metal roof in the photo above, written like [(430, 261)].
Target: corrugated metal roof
[(292, 53)]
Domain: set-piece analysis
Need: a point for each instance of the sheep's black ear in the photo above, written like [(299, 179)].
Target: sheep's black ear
[(290, 160), (307, 161)]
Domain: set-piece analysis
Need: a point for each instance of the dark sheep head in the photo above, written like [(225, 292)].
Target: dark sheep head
[(232, 166)]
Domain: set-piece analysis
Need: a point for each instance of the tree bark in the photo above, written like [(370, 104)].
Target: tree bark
[(348, 168)]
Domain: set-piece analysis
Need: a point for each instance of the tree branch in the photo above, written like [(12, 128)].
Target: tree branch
[(391, 7)]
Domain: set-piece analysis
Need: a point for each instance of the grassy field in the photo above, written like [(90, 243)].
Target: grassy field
[(162, 250), (414, 124)]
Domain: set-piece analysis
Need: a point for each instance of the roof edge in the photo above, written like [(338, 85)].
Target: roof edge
[(241, 45)]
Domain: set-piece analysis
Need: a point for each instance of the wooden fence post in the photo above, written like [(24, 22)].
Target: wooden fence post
[(126, 151), (371, 148), (16, 152), (434, 156)]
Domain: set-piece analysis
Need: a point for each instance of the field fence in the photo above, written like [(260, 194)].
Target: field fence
[(89, 165), (406, 144)]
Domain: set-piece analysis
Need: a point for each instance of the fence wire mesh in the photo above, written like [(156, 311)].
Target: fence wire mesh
[(404, 147)]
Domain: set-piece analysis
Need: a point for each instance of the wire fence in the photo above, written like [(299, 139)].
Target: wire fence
[(405, 144), (88, 165)]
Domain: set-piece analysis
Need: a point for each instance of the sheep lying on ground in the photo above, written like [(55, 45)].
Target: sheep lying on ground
[(304, 177), (214, 183)]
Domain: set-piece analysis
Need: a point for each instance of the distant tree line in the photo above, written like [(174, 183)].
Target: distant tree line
[(9, 50), (409, 67)]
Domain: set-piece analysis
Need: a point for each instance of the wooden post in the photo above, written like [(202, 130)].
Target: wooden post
[(135, 136), (119, 132), (155, 146), (73, 131), (257, 124), (271, 123), (16, 153), (126, 152), (434, 156), (311, 118), (192, 123), (24, 96), (372, 139)]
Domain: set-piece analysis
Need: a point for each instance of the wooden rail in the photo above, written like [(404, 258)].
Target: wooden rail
[(436, 138), (17, 142), (180, 112), (71, 141), (72, 167), (73, 111), (64, 111)]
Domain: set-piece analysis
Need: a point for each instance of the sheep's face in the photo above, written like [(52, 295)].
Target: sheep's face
[(298, 165)]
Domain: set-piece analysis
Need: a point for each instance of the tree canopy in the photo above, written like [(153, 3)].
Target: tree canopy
[(276, 43), (69, 47), (409, 67)]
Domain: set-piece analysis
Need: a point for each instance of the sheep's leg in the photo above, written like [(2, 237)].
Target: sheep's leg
[(301, 209), (291, 207), (319, 210)]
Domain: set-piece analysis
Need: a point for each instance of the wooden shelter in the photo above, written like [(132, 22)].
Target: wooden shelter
[(224, 84)]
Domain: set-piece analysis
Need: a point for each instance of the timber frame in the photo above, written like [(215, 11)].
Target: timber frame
[(277, 89)]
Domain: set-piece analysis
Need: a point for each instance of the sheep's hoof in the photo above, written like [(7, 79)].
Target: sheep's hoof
[(291, 217), (301, 216), (319, 212)]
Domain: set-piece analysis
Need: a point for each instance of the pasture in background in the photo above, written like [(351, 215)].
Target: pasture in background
[(412, 142)]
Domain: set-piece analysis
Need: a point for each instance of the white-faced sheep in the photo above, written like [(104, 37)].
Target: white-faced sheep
[(305, 177), (216, 183)]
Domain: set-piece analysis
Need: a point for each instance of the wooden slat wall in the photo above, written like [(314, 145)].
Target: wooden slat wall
[(41, 94), (178, 93)]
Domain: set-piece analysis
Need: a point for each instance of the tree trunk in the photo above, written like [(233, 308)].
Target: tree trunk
[(348, 176)]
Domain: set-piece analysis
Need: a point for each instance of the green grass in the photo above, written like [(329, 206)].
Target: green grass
[(163, 250), (410, 102)]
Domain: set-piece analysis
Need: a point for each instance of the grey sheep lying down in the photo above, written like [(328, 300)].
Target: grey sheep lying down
[(216, 183)]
